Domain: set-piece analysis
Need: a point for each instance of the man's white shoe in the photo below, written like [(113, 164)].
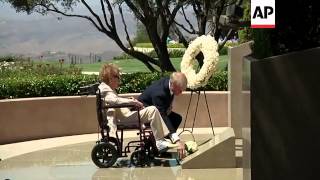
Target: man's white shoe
[(162, 145), (174, 137)]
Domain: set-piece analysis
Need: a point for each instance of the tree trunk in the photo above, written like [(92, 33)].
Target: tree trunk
[(163, 55), (138, 55), (202, 22), (160, 46)]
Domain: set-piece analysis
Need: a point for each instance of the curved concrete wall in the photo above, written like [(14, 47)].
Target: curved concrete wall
[(36, 118)]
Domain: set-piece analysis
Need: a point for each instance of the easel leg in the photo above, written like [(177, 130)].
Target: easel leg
[(195, 113), (184, 125), (196, 110), (205, 97)]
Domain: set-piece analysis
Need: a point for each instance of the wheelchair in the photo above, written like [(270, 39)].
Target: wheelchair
[(108, 149)]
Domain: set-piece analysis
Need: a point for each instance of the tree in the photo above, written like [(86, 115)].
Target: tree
[(157, 16), (220, 18), (140, 36)]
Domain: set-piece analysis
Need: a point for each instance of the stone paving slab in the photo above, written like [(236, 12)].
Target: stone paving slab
[(73, 161)]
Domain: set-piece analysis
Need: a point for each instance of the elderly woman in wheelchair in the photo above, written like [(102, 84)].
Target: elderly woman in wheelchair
[(125, 113)]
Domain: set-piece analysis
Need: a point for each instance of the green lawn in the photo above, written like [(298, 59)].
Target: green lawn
[(133, 65)]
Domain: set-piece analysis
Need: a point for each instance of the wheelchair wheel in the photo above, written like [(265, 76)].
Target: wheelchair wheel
[(104, 155), (139, 158), (151, 151), (113, 141)]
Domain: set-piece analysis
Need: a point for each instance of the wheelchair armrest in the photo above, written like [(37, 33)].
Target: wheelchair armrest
[(129, 105)]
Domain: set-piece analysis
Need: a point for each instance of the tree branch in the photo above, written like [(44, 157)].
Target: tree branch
[(180, 35), (185, 29), (226, 38), (187, 20), (174, 13), (112, 21), (135, 11), (105, 15), (161, 11), (94, 14), (193, 31), (56, 10), (125, 27)]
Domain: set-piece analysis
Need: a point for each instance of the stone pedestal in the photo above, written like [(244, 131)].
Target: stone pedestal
[(285, 116), (219, 152)]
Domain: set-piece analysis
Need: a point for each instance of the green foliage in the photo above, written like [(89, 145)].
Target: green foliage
[(176, 53), (224, 49), (245, 34), (122, 56), (68, 85), (262, 43), (137, 82), (21, 78), (218, 82), (25, 68), (11, 59), (51, 85), (173, 53), (141, 35)]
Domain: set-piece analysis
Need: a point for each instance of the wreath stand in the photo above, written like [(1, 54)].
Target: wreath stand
[(198, 92)]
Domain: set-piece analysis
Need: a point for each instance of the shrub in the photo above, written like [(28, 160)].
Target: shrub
[(19, 79), (25, 68), (51, 85), (173, 53), (12, 58), (137, 82), (176, 53), (67, 85), (224, 49), (122, 56)]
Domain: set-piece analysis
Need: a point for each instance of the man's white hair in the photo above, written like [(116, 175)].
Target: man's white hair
[(180, 79)]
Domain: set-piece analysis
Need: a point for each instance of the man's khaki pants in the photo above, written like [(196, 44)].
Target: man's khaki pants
[(150, 115)]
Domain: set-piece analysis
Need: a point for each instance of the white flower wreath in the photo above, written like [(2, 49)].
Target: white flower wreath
[(209, 47)]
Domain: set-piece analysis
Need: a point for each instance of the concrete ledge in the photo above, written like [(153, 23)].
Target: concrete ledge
[(219, 152), (28, 119)]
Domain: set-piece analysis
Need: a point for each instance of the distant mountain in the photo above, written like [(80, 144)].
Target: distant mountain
[(70, 35), (35, 35)]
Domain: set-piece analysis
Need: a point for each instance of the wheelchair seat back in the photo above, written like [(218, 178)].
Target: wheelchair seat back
[(92, 89)]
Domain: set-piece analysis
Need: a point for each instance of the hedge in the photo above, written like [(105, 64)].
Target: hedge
[(51, 85), (173, 53), (137, 82), (69, 85)]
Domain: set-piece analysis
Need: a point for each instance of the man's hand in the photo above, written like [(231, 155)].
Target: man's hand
[(181, 149)]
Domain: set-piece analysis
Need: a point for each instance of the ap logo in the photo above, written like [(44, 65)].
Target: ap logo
[(262, 13)]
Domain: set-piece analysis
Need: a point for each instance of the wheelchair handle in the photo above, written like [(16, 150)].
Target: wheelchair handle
[(90, 89)]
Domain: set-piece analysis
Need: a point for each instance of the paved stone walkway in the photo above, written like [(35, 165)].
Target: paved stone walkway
[(69, 158)]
